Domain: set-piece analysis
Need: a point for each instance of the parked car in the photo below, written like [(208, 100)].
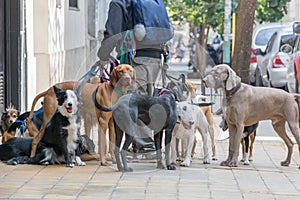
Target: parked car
[(293, 70), (272, 70), (260, 37)]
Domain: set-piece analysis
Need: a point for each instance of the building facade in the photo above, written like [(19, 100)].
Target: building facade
[(44, 42)]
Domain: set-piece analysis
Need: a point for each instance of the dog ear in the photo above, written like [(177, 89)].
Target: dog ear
[(4, 114), (113, 76), (59, 95), (232, 79), (134, 78)]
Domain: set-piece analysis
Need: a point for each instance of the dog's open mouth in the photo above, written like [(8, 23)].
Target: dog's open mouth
[(185, 125), (69, 109)]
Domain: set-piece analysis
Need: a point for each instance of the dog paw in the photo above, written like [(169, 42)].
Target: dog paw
[(128, 169), (104, 163), (179, 159), (246, 163), (206, 161), (232, 163), (46, 163), (171, 167), (160, 165), (285, 163), (224, 163), (79, 162), (214, 158), (185, 164), (71, 165)]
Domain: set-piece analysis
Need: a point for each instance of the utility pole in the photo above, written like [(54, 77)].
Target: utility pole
[(227, 31)]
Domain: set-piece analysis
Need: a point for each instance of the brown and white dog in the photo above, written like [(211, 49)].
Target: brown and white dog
[(239, 102), (7, 119), (208, 114), (122, 77)]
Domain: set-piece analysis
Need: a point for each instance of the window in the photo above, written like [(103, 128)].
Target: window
[(73, 4)]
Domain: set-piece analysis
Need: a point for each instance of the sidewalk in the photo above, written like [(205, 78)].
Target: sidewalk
[(264, 178)]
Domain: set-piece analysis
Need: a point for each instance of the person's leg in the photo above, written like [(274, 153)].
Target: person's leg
[(147, 71)]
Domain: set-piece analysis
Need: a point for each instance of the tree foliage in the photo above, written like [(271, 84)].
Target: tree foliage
[(270, 10), (209, 14)]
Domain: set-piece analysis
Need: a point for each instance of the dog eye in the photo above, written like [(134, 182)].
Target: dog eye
[(184, 108), (14, 116)]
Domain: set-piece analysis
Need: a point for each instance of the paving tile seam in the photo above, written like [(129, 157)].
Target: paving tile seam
[(25, 182), (285, 175), (116, 186), (178, 182), (282, 171), (147, 186), (261, 176), (87, 182), (56, 183)]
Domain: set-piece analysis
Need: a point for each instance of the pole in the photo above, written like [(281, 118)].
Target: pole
[(227, 30)]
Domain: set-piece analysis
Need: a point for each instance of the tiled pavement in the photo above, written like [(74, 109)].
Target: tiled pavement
[(264, 178)]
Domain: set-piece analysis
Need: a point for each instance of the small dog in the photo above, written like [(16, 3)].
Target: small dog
[(59, 142), (7, 119), (18, 128), (190, 119), (207, 112), (134, 112), (249, 132)]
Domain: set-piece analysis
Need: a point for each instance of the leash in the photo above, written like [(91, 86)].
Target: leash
[(178, 82), (124, 49), (93, 71)]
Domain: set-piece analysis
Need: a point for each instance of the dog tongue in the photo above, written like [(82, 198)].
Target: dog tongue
[(69, 110)]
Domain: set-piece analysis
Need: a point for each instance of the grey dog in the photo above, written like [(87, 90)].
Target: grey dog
[(134, 112)]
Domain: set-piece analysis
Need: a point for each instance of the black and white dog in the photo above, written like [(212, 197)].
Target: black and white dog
[(134, 113), (59, 142)]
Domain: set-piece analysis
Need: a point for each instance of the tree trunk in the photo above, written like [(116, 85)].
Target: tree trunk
[(202, 50), (243, 38)]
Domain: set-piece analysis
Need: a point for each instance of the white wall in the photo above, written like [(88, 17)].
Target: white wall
[(59, 41), (293, 11), (62, 46)]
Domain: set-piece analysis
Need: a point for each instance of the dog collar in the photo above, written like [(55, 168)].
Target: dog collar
[(117, 90), (230, 93)]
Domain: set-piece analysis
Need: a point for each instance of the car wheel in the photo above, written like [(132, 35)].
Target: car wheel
[(258, 79)]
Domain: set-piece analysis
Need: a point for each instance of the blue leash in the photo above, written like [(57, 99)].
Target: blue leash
[(92, 71), (23, 125)]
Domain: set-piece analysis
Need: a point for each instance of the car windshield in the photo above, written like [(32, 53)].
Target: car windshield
[(263, 36)]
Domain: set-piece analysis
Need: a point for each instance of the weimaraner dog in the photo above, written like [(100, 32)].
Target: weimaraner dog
[(244, 105)]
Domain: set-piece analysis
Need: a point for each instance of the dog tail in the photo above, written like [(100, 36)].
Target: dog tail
[(99, 106), (34, 103), (296, 96)]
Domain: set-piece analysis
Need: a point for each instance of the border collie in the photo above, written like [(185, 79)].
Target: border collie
[(59, 142)]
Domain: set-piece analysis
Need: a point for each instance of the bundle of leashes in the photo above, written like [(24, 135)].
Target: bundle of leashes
[(94, 69)]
